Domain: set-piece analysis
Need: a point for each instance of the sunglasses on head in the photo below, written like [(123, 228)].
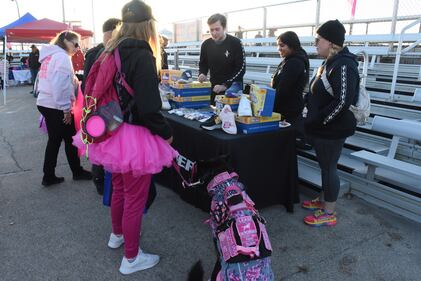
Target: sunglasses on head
[(76, 45)]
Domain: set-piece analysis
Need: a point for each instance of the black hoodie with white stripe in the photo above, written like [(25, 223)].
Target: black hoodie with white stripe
[(328, 113)]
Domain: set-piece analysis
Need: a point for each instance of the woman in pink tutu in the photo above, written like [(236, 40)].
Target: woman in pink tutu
[(141, 145)]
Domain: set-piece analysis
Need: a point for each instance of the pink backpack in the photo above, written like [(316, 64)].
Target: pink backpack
[(102, 114)]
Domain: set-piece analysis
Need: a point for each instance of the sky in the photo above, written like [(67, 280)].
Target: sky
[(167, 12)]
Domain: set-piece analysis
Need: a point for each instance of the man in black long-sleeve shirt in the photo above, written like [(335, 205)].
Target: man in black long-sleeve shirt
[(222, 55)]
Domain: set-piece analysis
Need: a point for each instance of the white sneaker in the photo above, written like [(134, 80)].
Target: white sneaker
[(228, 120), (115, 241), (143, 261)]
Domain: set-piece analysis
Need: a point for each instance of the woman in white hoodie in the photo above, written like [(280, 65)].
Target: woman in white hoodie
[(56, 86)]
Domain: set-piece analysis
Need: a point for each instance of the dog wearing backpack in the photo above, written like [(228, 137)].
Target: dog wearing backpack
[(239, 231)]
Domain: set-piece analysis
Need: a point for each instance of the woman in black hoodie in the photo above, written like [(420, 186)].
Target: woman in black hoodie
[(290, 77), (329, 121), (289, 81), (138, 44)]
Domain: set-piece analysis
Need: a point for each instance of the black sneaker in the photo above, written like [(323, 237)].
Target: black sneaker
[(98, 178), (47, 181), (212, 123), (99, 184), (82, 175), (302, 144)]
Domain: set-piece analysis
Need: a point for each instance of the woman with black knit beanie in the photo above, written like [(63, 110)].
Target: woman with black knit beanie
[(329, 121)]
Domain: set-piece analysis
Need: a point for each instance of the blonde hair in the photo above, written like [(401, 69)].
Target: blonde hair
[(145, 30), (334, 50), (68, 35)]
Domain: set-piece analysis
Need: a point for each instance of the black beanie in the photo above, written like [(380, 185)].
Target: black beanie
[(334, 31), (136, 11)]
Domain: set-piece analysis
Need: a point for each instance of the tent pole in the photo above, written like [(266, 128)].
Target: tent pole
[(5, 75)]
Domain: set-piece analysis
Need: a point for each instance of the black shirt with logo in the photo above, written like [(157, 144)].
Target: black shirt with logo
[(224, 60)]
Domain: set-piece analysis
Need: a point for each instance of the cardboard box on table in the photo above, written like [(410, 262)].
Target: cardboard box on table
[(262, 99), (221, 101), (192, 85), (191, 95), (169, 76), (256, 124)]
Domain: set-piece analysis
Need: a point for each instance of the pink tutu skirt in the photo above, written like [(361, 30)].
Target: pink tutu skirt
[(131, 149)]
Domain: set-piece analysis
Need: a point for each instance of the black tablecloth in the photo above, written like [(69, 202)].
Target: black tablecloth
[(266, 162)]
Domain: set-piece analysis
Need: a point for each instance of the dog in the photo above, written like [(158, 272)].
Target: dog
[(239, 232)]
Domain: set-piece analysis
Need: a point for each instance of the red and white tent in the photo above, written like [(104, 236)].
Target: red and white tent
[(41, 31)]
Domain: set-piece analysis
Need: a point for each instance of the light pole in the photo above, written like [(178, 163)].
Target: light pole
[(17, 6), (93, 22), (64, 14)]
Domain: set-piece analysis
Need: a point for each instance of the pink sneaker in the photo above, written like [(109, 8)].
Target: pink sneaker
[(312, 205), (321, 218)]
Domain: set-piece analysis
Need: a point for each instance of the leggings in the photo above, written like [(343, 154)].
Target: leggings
[(328, 152)]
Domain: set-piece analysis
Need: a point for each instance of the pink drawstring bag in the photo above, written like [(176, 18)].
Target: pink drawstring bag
[(77, 108)]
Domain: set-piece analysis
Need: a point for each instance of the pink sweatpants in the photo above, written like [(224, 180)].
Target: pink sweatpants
[(127, 204)]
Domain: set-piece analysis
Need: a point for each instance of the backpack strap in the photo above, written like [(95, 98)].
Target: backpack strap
[(325, 81), (121, 79), (325, 77)]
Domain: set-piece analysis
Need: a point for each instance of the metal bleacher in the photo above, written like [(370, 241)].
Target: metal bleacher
[(393, 190)]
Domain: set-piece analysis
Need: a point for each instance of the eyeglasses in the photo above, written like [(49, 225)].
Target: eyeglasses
[(75, 44)]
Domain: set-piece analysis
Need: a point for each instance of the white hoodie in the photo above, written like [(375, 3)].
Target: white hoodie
[(55, 79)]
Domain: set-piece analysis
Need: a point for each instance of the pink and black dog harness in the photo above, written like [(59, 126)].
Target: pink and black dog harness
[(239, 229)]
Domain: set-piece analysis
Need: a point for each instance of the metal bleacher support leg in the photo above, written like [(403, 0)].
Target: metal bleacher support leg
[(419, 74), (176, 60), (373, 61), (370, 172), (393, 147)]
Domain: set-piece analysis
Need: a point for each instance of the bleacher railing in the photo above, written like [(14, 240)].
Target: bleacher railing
[(399, 52)]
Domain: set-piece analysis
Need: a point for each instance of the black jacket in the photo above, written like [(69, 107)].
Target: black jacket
[(289, 81), (34, 60), (138, 65), (164, 61), (225, 61), (329, 116), (90, 58)]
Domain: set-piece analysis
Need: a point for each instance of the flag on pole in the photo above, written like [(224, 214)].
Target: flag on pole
[(353, 4)]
